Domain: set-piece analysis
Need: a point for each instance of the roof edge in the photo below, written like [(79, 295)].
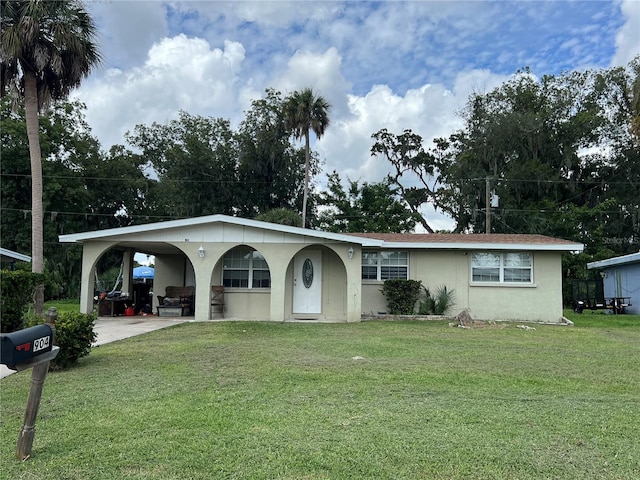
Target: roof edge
[(559, 247), (147, 227), (359, 239), (610, 262), (15, 255)]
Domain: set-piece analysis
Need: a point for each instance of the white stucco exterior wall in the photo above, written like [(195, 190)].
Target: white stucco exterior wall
[(540, 301)]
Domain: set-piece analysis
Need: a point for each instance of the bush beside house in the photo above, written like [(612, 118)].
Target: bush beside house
[(74, 336), (401, 295), (437, 304)]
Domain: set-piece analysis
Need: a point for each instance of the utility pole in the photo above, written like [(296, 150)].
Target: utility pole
[(487, 206)]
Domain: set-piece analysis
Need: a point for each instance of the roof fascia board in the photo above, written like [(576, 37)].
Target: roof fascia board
[(610, 262), (15, 255), (119, 232), (576, 247)]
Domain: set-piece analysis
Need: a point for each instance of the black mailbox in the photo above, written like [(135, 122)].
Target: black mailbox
[(23, 345)]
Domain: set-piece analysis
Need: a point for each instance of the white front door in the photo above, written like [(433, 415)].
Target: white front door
[(307, 282)]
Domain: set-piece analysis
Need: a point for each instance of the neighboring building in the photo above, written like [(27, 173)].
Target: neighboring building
[(8, 258), (280, 273), (621, 279)]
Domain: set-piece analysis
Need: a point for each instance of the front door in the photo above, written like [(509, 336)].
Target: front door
[(307, 282)]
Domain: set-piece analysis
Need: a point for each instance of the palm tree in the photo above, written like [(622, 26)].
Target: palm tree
[(304, 112), (46, 49)]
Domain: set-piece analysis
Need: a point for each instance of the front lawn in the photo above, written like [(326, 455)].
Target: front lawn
[(374, 400), (602, 319)]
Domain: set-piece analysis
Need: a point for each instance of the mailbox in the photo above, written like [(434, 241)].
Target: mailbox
[(23, 345)]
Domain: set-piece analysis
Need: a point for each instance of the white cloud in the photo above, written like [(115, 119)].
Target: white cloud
[(180, 73), (321, 72), (430, 111), (127, 29), (628, 37), (281, 13)]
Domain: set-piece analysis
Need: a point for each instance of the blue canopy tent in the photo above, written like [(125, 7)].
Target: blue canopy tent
[(143, 273)]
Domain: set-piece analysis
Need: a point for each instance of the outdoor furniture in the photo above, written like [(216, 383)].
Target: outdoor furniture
[(177, 302), (112, 307), (217, 301), (141, 297)]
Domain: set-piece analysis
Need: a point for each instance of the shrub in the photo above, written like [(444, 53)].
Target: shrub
[(74, 335), (439, 304), (427, 304), (401, 295), (16, 294)]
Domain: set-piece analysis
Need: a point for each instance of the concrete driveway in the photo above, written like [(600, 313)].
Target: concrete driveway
[(112, 329)]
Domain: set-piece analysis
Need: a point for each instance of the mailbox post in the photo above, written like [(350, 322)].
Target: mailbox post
[(31, 348)]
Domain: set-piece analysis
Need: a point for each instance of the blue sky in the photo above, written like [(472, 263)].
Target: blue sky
[(391, 64), (422, 42)]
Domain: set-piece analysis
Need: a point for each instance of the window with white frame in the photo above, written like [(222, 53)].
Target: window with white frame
[(508, 267), (385, 265), (244, 267)]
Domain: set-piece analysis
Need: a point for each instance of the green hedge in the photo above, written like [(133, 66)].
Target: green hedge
[(74, 336), (16, 295), (401, 295)]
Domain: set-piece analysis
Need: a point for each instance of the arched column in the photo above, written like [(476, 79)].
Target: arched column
[(351, 256), (278, 290), (203, 267), (91, 252)]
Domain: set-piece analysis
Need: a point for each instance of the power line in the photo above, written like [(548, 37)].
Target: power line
[(168, 180), (179, 217), (93, 214), (578, 182)]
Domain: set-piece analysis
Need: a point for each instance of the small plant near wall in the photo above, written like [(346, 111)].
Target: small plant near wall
[(401, 295), (425, 303), (439, 303)]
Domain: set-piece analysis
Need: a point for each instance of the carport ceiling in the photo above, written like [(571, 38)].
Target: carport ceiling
[(152, 248)]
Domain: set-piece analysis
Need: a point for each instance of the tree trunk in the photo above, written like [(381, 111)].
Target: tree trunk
[(306, 179), (33, 134)]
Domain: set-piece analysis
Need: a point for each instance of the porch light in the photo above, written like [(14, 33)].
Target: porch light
[(350, 252), (201, 251)]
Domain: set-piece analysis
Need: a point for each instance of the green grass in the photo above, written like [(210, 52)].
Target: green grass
[(289, 401), (602, 319), (67, 305)]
